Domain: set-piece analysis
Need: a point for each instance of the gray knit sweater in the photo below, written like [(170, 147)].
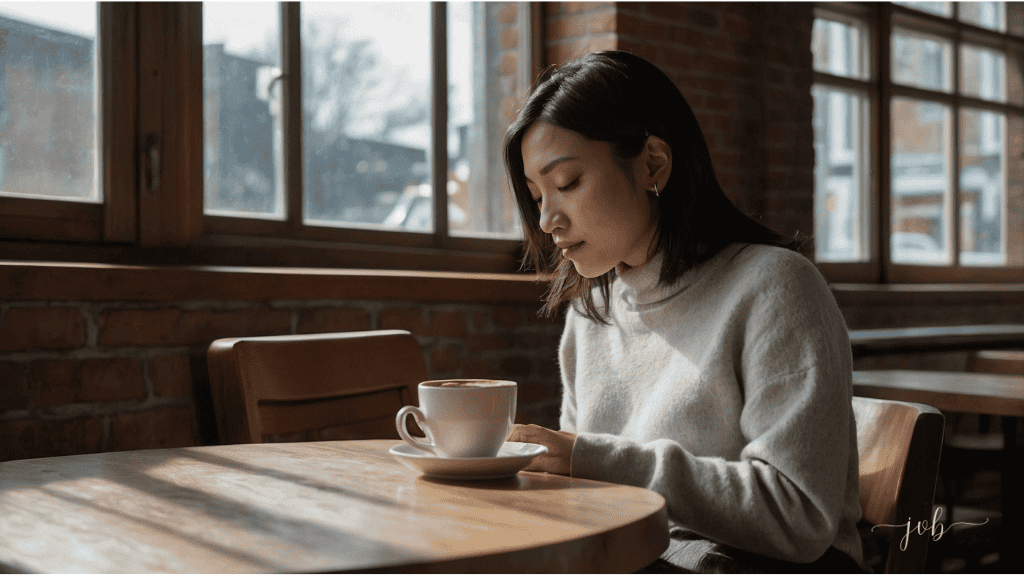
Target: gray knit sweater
[(728, 393)]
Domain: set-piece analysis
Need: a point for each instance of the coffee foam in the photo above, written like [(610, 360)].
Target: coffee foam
[(466, 383)]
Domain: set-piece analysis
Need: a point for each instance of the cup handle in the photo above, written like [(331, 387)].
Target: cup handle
[(418, 416)]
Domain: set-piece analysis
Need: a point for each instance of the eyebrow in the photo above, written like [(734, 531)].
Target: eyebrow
[(551, 165)]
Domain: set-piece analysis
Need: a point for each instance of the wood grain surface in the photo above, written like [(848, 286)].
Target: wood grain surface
[(320, 506), (965, 392), (935, 339)]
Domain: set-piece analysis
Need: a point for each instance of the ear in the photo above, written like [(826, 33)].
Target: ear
[(657, 163)]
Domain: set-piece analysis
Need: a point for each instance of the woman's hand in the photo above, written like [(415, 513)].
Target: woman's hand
[(558, 460)]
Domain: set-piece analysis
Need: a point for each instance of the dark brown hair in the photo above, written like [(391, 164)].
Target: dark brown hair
[(622, 99)]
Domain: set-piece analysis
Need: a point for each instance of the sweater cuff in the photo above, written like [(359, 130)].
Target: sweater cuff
[(591, 454)]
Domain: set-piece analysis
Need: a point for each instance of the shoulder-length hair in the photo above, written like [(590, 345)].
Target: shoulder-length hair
[(622, 99)]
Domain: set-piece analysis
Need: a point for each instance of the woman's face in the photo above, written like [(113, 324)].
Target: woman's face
[(599, 215)]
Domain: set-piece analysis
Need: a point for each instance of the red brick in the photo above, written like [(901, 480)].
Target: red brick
[(45, 438), (447, 323), (543, 343), (479, 321), (171, 375), (487, 343), (566, 27), (533, 318), (164, 428), (507, 317), (602, 21), (737, 25), (507, 13), (533, 390), (60, 382), (689, 38), (333, 320), (509, 38), (410, 319), (560, 53), (602, 42), (629, 24), (173, 326), (577, 7), (509, 64), (516, 367), (666, 11), (472, 368), (14, 392), (444, 360), (702, 18), (49, 328)]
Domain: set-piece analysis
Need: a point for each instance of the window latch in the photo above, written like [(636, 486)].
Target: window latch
[(151, 154)]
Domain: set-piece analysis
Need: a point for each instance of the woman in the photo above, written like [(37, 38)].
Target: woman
[(702, 357)]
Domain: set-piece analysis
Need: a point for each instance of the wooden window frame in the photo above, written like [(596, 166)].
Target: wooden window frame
[(151, 123), (400, 249), (881, 19)]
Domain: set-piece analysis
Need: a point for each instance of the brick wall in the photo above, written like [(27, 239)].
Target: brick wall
[(79, 377), (745, 68)]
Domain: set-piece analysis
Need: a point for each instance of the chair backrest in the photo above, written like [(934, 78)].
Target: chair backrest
[(899, 445), (357, 381)]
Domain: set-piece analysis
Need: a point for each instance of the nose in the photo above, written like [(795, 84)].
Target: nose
[(549, 217)]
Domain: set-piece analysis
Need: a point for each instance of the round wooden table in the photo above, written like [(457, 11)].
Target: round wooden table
[(311, 507)]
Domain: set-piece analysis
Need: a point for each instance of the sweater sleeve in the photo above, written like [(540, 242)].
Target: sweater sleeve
[(783, 496)]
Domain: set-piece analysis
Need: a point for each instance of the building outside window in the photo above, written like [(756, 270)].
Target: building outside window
[(949, 116)]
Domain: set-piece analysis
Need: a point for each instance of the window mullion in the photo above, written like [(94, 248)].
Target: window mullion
[(884, 127), (439, 120), (118, 109), (955, 144), (291, 98)]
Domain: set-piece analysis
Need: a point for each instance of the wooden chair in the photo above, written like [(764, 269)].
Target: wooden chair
[(273, 385), (899, 444)]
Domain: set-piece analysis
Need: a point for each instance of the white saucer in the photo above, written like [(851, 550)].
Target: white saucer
[(513, 457)]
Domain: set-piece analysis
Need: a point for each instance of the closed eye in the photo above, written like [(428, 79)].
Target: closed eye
[(569, 186)]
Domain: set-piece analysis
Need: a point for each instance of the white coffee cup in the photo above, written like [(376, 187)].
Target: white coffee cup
[(463, 418)]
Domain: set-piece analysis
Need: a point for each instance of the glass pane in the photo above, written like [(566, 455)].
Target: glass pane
[(982, 188), (990, 15), (921, 61), (982, 73), (243, 155), (921, 182), (366, 114), (839, 49), (940, 8), (840, 179), (48, 116), (486, 79)]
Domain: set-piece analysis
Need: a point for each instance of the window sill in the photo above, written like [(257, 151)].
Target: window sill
[(22, 280)]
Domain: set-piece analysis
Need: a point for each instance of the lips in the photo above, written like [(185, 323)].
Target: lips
[(569, 247)]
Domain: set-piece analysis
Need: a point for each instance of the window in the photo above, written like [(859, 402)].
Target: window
[(55, 182), (932, 187), (340, 134), (361, 145)]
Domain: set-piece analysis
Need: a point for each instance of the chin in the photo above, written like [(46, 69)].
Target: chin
[(590, 271)]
